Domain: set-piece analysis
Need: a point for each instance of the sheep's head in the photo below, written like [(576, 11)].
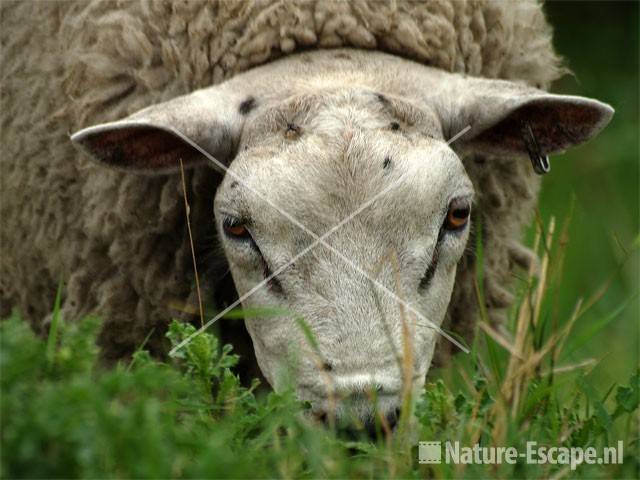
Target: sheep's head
[(346, 201)]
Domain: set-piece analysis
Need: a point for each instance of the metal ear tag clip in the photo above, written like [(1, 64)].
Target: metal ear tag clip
[(540, 162)]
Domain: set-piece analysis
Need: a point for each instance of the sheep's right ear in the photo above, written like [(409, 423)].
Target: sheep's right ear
[(155, 139), (506, 118)]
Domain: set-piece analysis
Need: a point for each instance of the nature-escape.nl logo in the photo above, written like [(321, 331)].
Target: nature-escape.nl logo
[(431, 452)]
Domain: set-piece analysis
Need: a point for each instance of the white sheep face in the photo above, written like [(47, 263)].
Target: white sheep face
[(319, 160), (311, 138)]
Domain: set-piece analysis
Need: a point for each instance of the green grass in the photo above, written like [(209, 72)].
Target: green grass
[(64, 415), (600, 181)]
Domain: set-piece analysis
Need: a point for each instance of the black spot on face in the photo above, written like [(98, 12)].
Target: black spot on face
[(387, 163), (293, 131), (342, 56), (384, 100), (234, 184), (247, 105), (394, 126)]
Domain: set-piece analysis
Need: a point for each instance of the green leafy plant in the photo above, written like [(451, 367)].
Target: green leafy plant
[(64, 414)]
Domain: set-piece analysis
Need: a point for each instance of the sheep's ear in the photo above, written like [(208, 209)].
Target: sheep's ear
[(509, 119), (155, 139)]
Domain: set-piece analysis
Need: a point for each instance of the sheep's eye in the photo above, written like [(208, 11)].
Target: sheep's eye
[(457, 215), (235, 229)]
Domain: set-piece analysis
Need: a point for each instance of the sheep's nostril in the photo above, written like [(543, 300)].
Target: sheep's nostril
[(354, 429), (392, 418), (370, 427), (326, 366), (322, 417)]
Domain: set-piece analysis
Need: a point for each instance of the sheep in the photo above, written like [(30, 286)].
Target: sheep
[(307, 109)]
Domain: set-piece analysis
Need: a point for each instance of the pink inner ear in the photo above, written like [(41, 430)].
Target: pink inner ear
[(141, 148), (555, 125)]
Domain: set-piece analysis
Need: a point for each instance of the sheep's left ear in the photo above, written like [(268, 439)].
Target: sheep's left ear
[(157, 138), (506, 118)]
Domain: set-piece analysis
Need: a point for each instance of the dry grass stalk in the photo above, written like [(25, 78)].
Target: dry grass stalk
[(574, 366), (525, 358), (408, 334), (187, 211), (318, 359), (542, 286), (577, 311), (499, 339), (522, 323), (529, 308), (331, 391)]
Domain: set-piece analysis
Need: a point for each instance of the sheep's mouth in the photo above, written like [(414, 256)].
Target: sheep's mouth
[(372, 423)]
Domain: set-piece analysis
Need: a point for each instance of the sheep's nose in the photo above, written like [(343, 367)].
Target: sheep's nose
[(391, 419), (354, 430)]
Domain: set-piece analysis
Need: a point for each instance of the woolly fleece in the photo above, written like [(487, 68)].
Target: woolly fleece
[(119, 241)]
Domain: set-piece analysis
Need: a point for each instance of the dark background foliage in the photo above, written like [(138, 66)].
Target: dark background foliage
[(599, 40), (63, 415)]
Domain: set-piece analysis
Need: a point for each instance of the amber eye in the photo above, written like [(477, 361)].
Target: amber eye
[(457, 216), (234, 228)]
